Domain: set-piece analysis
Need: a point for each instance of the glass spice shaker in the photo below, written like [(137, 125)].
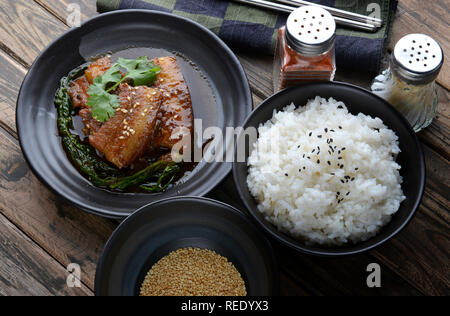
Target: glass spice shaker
[(409, 82), (305, 50)]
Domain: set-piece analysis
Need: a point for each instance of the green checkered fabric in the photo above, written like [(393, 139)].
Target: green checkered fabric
[(247, 28)]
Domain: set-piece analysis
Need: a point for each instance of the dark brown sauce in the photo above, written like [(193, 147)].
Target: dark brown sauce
[(202, 96)]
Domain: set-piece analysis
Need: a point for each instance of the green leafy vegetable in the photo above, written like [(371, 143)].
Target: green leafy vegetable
[(140, 71), (144, 175), (168, 175), (103, 104)]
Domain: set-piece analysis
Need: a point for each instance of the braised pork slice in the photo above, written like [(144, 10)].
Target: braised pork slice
[(98, 68), (177, 112), (128, 135), (78, 89), (91, 125)]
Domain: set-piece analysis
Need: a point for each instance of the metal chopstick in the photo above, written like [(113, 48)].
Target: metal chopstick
[(337, 12), (288, 9)]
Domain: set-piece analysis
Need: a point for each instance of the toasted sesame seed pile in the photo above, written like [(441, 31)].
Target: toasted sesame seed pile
[(193, 272)]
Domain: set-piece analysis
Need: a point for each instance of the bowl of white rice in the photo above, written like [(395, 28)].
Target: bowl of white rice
[(331, 169)]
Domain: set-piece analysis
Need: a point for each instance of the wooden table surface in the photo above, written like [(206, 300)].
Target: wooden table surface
[(40, 235)]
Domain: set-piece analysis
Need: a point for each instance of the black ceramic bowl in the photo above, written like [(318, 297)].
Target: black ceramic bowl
[(357, 101), (113, 32), (165, 226)]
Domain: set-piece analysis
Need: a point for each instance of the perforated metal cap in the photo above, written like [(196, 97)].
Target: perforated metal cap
[(310, 30), (418, 58)]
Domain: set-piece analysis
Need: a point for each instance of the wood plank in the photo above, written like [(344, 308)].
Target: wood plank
[(344, 276), (289, 288), (26, 28), (421, 253), (25, 269), (60, 8), (426, 17), (11, 77), (69, 235), (437, 134)]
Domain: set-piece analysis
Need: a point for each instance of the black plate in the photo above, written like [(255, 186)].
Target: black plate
[(36, 113), (357, 101), (165, 226)]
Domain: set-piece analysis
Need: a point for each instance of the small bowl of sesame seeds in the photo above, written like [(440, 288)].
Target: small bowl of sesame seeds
[(187, 246)]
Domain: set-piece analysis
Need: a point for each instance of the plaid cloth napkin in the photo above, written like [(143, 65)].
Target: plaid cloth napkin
[(248, 28)]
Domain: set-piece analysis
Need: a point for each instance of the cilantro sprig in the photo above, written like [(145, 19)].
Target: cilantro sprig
[(141, 71)]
